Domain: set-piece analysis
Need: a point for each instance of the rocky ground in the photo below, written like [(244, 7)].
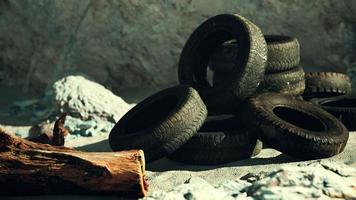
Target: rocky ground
[(315, 180), (269, 175)]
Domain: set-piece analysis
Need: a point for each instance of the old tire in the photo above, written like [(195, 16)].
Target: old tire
[(283, 54), (287, 82), (309, 97), (218, 142), (161, 123), (342, 107), (248, 70), (326, 84), (296, 127)]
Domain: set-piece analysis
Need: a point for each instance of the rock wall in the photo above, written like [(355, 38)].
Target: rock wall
[(132, 43)]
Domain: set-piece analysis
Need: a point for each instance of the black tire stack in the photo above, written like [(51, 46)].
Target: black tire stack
[(255, 95), (282, 72)]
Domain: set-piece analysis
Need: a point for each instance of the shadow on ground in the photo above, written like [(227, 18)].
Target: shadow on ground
[(166, 164)]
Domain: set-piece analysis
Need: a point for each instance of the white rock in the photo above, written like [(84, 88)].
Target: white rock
[(86, 99)]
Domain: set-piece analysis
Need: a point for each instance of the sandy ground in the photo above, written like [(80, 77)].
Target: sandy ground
[(165, 174)]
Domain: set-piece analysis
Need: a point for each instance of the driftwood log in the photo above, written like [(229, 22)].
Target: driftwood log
[(32, 168)]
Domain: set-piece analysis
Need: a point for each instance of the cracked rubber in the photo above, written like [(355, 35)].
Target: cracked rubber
[(283, 54), (219, 141), (326, 84), (161, 123), (342, 107), (296, 127), (248, 69), (286, 82)]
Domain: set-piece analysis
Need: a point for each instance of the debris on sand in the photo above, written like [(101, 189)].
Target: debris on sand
[(315, 180)]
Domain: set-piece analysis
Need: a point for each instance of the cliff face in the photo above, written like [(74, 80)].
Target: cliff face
[(137, 43)]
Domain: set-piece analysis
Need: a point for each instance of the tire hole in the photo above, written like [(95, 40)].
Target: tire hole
[(153, 113), (344, 103), (298, 118), (223, 57), (209, 76), (213, 40)]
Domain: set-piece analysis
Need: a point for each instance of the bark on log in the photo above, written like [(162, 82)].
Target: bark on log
[(33, 168)]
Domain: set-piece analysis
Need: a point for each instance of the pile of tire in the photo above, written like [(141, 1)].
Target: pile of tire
[(332, 92), (256, 95)]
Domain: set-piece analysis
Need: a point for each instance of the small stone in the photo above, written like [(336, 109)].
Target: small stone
[(188, 196), (250, 177), (84, 125)]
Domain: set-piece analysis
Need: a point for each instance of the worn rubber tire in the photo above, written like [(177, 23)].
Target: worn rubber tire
[(342, 107), (249, 68), (161, 123), (296, 127), (219, 141), (326, 84), (286, 82), (283, 54)]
